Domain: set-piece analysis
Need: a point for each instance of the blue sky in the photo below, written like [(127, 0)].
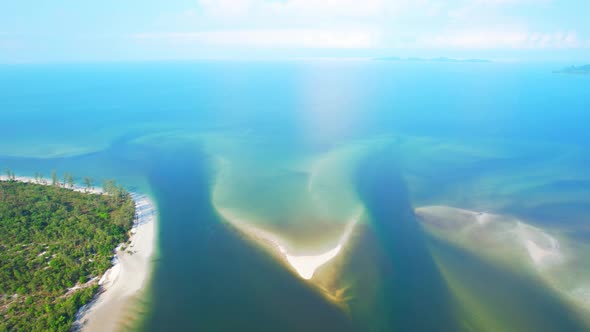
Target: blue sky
[(123, 30)]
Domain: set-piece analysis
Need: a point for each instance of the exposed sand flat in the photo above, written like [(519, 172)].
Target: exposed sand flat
[(307, 265), (483, 218), (122, 283), (304, 265)]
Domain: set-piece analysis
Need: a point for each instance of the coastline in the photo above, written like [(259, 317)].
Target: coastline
[(124, 282), (120, 285)]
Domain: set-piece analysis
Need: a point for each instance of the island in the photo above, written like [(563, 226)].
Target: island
[(57, 245), (575, 70)]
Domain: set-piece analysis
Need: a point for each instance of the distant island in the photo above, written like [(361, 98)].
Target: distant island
[(56, 241), (439, 59), (575, 70)]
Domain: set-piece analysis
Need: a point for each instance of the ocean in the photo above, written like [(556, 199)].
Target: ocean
[(254, 165)]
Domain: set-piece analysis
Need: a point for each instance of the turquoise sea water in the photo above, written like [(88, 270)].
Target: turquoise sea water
[(299, 149)]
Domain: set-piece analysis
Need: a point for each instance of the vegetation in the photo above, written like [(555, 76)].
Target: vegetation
[(54, 245)]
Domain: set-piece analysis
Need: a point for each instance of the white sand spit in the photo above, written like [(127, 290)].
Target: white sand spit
[(304, 265), (307, 265)]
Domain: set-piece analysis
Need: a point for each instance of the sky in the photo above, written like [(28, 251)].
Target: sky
[(146, 30)]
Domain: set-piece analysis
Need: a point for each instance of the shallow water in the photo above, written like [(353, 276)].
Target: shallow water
[(299, 149)]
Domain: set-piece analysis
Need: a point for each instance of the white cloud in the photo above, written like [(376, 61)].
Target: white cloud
[(327, 9), (488, 9), (285, 24), (227, 8), (502, 39), (284, 38), (460, 24), (335, 8)]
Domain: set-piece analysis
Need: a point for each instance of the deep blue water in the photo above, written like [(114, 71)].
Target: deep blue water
[(507, 138)]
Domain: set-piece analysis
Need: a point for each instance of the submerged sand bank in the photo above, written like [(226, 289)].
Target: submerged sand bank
[(122, 283), (487, 233), (547, 254)]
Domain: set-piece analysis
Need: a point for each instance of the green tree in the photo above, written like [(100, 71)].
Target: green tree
[(64, 238), (109, 186), (68, 180), (88, 182), (54, 179)]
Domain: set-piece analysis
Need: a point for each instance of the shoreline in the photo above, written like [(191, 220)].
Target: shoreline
[(126, 279), (121, 284)]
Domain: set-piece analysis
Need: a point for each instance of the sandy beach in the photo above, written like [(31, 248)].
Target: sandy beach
[(121, 284), (47, 182), (125, 281)]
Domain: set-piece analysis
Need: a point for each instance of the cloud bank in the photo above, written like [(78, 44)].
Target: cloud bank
[(353, 24)]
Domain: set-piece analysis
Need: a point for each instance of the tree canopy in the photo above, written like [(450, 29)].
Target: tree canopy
[(55, 243)]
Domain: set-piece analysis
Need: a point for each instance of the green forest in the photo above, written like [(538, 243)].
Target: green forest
[(55, 243)]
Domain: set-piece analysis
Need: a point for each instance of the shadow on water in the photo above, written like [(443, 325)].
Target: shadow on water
[(208, 278), (411, 295)]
